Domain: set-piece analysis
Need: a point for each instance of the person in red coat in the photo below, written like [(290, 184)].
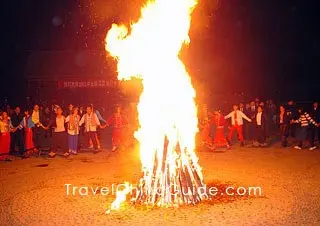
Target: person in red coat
[(27, 125), (5, 129), (119, 121), (219, 140)]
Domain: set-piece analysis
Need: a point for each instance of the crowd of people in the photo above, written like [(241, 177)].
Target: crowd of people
[(256, 121), (66, 132)]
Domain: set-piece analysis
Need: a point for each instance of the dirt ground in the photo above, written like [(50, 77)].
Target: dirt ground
[(33, 190)]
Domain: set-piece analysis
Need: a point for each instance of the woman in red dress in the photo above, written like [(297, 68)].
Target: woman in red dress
[(119, 121), (5, 129), (27, 125), (219, 140)]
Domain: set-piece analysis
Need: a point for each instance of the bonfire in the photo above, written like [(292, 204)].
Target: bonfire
[(149, 49)]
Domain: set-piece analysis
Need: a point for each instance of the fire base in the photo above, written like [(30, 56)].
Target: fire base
[(175, 180)]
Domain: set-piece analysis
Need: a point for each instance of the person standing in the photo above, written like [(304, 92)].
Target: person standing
[(102, 120), (245, 126), (293, 114), (272, 116), (37, 130), (315, 115), (205, 138), (261, 123), (27, 124), (283, 120), (73, 130), (17, 137), (47, 134), (251, 112), (302, 132), (237, 123), (5, 129), (219, 140), (91, 122), (59, 136), (81, 138), (119, 121)]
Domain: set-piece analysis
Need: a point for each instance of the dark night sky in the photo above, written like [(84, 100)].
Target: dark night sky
[(258, 46)]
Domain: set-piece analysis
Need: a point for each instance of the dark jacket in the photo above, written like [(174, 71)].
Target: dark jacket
[(286, 118), (264, 120), (16, 119), (46, 118), (315, 114), (53, 123), (292, 112), (41, 116), (251, 113)]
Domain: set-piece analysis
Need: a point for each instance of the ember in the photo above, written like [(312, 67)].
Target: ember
[(167, 110)]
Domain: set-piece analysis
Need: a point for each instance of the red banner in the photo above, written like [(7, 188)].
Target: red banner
[(88, 84)]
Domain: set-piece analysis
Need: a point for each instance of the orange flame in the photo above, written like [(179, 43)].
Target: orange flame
[(120, 197), (150, 51)]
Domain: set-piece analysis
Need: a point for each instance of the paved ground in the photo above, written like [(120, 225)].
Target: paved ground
[(33, 191)]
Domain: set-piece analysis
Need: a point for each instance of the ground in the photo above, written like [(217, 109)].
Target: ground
[(33, 190)]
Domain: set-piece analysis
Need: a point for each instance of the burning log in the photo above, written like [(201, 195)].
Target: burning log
[(171, 188)]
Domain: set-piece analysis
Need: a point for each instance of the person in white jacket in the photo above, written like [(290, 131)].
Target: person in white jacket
[(237, 117), (91, 123)]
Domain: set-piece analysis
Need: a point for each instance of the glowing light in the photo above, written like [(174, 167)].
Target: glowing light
[(149, 49), (120, 197)]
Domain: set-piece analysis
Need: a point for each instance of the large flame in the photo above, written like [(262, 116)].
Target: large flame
[(150, 50)]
